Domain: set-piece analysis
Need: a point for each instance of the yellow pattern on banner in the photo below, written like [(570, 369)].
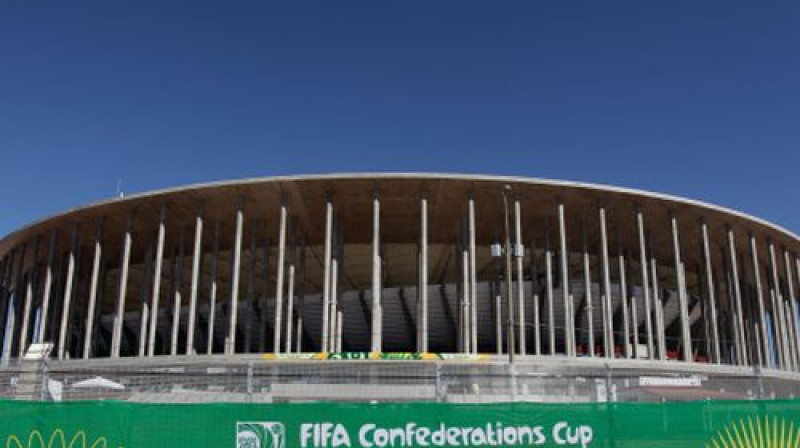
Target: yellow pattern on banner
[(57, 440)]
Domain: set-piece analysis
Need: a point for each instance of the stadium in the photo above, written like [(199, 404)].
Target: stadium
[(316, 280), (399, 310)]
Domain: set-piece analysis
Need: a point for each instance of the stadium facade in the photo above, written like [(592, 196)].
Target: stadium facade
[(426, 265)]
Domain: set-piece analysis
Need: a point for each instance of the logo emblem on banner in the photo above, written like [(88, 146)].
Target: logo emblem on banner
[(260, 435)]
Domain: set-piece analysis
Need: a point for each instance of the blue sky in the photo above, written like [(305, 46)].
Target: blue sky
[(700, 99)]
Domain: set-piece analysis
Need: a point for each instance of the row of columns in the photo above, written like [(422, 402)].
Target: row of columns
[(768, 338), (776, 333), (150, 314)]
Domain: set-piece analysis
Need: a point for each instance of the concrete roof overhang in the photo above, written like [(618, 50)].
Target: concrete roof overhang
[(400, 192)]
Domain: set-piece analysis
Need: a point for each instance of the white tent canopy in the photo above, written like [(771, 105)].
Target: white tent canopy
[(98, 382)]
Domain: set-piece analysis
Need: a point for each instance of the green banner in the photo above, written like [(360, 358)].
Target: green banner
[(108, 424)]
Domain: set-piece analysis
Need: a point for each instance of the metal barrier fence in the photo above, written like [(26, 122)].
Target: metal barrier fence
[(241, 379)]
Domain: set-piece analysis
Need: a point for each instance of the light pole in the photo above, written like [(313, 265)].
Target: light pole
[(509, 288)]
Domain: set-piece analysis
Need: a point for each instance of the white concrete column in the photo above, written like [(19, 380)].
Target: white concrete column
[(299, 336), (458, 284), (93, 290), (766, 360), (230, 347), (6, 306), (623, 295), (464, 309), (212, 293), (8, 330), (634, 323), (19, 290), (658, 309), (30, 285), (338, 294), (508, 278), (796, 309), (794, 306), (519, 253), (777, 311), (326, 281), (780, 335), (682, 297), (178, 297), (779, 329), (740, 355), (11, 301), (608, 321), (498, 322), (648, 309), (473, 281), (423, 273), (290, 310), (793, 324), (143, 328), (339, 324), (788, 320), (119, 317), (144, 297), (759, 351), (742, 339), (47, 290), (376, 342), (792, 336), (151, 334), (301, 297), (712, 298), (276, 343), (334, 311), (262, 301), (537, 335), (197, 259), (144, 291), (569, 334), (250, 300), (548, 266), (787, 338), (68, 290), (587, 285)]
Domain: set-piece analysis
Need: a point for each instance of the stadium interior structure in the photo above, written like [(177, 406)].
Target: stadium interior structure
[(471, 266)]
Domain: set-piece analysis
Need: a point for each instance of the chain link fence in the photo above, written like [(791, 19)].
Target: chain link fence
[(218, 379)]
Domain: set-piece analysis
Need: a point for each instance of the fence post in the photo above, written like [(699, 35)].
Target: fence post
[(512, 370), (438, 382), (250, 382), (45, 378), (759, 381)]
